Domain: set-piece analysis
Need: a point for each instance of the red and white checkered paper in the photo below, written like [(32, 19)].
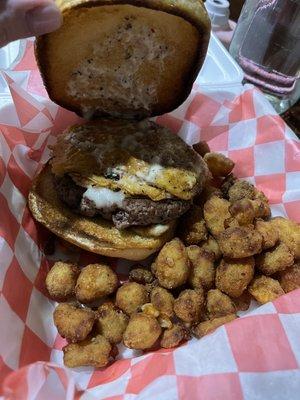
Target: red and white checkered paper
[(254, 357)]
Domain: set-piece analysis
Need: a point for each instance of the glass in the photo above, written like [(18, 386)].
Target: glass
[(266, 44)]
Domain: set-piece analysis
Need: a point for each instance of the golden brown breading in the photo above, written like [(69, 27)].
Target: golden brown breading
[(174, 336), (61, 280), (142, 332), (219, 304), (243, 212), (189, 305), (73, 322), (141, 275), (233, 276), (261, 208), (268, 232), (172, 265), (261, 196), (275, 260), (94, 352), (240, 242), (289, 233), (216, 211), (192, 228), (94, 282), (130, 296), (203, 270), (206, 327), (242, 303), (290, 278), (211, 246), (265, 289), (111, 322), (240, 190), (218, 164), (162, 300)]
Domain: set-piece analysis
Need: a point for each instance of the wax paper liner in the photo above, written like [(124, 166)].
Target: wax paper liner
[(254, 357)]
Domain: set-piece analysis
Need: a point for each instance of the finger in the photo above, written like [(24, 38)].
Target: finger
[(43, 19), (27, 18)]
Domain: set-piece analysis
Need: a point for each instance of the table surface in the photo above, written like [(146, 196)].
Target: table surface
[(292, 118)]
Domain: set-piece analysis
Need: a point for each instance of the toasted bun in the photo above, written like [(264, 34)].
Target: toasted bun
[(93, 234), (131, 59)]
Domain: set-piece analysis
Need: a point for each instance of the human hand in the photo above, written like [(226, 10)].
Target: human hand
[(25, 18)]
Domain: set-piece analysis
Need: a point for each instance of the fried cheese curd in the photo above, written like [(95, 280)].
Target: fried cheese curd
[(234, 275), (189, 305), (73, 322), (95, 352), (243, 213), (218, 164), (142, 332), (131, 296), (203, 270), (174, 336), (163, 301), (240, 242), (211, 246), (275, 260), (242, 303), (201, 148), (219, 304), (216, 212), (172, 265), (206, 327), (192, 226), (94, 282), (236, 189), (111, 322), (290, 278), (265, 289), (61, 280), (269, 233), (289, 234)]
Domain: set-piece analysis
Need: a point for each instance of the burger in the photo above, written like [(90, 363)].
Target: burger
[(117, 187)]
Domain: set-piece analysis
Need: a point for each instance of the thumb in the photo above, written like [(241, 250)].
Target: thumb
[(26, 18)]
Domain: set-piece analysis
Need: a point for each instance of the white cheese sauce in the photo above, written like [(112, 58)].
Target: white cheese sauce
[(158, 230), (103, 197)]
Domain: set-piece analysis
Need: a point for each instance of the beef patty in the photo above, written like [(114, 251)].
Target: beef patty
[(133, 211)]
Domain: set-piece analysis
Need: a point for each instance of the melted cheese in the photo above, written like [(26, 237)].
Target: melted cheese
[(104, 198), (152, 172), (154, 163)]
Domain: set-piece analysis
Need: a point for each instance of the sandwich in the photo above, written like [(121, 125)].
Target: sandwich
[(124, 59), (117, 187)]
